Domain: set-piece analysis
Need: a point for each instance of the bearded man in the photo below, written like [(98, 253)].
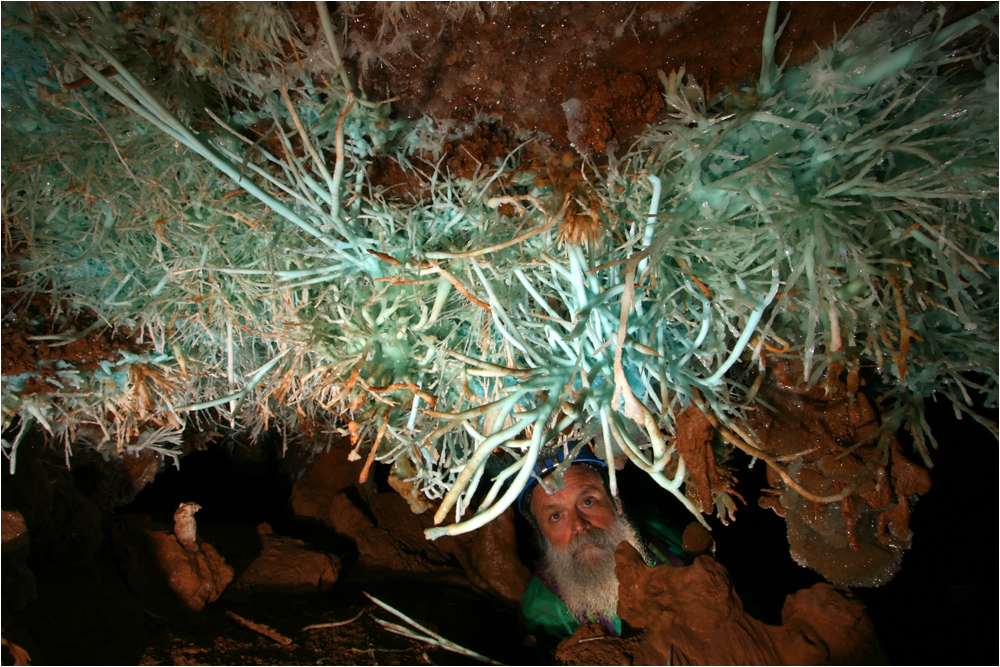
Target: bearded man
[(578, 528)]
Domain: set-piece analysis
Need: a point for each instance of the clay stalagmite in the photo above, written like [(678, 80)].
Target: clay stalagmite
[(185, 526), (164, 568)]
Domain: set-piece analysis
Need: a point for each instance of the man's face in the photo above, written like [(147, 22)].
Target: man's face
[(581, 530), (580, 506)]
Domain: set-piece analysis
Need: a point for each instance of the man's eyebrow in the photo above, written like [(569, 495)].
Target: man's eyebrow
[(549, 504), (588, 487)]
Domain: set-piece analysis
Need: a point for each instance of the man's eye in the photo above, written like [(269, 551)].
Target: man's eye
[(588, 502)]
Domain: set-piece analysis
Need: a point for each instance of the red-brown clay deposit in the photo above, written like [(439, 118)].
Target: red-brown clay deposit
[(692, 616), (389, 536), (158, 566), (859, 541)]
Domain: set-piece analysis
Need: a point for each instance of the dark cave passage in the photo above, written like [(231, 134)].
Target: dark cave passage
[(251, 490)]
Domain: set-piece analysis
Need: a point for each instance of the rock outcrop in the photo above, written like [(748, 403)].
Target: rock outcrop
[(285, 566), (692, 616), (389, 536)]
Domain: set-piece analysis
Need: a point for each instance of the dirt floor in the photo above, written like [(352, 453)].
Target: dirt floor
[(586, 75)]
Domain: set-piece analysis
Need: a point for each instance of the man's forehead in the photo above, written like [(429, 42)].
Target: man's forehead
[(578, 478)]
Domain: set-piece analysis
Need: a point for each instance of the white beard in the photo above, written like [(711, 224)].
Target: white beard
[(584, 572)]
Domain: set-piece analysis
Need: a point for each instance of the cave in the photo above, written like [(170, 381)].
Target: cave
[(274, 274)]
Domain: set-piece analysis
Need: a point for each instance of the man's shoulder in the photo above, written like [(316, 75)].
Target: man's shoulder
[(650, 521), (542, 609), (658, 532)]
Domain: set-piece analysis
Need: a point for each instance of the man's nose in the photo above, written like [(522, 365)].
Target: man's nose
[(580, 522)]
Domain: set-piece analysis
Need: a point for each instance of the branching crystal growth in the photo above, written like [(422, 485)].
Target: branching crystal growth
[(843, 213)]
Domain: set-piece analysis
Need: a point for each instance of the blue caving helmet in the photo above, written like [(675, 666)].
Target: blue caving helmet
[(545, 464)]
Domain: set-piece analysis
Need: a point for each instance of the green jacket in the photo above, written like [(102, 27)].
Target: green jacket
[(543, 610)]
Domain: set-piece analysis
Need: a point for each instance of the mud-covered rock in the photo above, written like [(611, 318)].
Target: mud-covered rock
[(389, 536), (14, 654), (328, 475), (491, 562), (285, 566), (162, 571), (592, 644), (692, 615), (826, 624), (521, 61), (110, 479), (831, 440)]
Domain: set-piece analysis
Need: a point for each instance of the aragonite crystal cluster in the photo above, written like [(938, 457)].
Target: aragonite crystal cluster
[(198, 180)]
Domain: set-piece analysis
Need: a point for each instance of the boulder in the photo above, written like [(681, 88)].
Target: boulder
[(285, 566)]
